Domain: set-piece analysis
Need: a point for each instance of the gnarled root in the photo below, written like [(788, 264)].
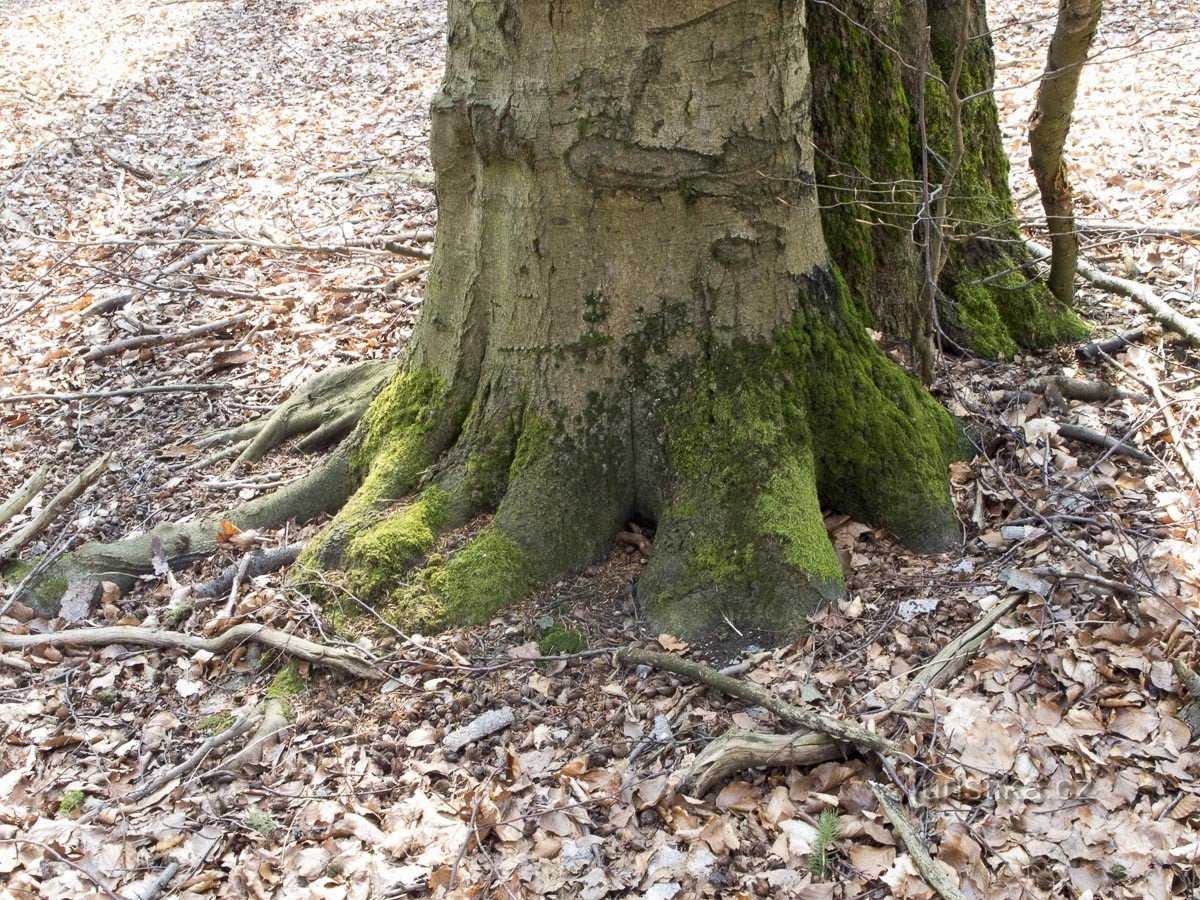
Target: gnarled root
[(325, 410)]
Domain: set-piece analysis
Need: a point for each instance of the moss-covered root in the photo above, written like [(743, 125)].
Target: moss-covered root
[(755, 555), (78, 574)]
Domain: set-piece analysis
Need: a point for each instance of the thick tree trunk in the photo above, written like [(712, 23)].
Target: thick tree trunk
[(1048, 127), (632, 312), (636, 309)]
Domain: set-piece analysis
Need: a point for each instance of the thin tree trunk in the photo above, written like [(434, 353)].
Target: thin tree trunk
[(1048, 128)]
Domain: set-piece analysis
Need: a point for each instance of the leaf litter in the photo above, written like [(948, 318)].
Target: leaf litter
[(1057, 763)]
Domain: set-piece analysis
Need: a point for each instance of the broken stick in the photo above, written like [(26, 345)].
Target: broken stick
[(916, 845), (54, 508), (16, 504), (318, 654), (737, 750), (839, 729)]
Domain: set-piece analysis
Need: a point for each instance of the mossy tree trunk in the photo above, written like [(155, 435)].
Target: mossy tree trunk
[(876, 66), (664, 226), (632, 311)]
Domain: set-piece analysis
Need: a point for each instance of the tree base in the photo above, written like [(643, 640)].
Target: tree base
[(734, 462)]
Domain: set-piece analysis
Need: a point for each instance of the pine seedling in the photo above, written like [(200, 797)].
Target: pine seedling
[(827, 835)]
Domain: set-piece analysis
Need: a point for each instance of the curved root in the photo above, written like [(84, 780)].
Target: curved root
[(325, 410)]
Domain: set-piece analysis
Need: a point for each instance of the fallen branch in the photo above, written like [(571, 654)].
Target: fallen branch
[(838, 729), (157, 340), (916, 845), (1087, 391), (232, 733), (1115, 344), (1139, 293), (951, 658), (119, 392), (1150, 379), (119, 300), (15, 505), (1097, 439), (159, 884), (302, 648), (54, 508), (737, 750), (259, 564)]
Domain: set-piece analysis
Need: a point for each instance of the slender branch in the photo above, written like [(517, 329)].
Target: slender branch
[(54, 508), (916, 845), (16, 504), (839, 729), (319, 654), (119, 392), (157, 340)]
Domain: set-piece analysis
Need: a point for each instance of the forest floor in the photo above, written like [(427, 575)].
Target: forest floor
[(289, 140)]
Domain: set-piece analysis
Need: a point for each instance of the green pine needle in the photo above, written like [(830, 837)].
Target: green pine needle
[(827, 835)]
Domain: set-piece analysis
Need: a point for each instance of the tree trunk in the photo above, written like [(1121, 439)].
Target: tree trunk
[(1048, 127), (663, 228), (868, 62), (632, 313)]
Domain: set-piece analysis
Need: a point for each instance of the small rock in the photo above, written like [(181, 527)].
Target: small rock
[(661, 730), (489, 723), (910, 609)]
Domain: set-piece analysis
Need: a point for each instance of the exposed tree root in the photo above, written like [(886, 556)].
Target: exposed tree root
[(1139, 293), (1086, 435), (324, 410), (838, 729), (917, 846), (737, 750), (302, 648), (274, 720)]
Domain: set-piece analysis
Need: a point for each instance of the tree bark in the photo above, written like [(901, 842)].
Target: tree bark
[(632, 312), (640, 308), (1048, 127)]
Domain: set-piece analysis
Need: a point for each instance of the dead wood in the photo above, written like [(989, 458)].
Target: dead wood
[(1114, 445), (1139, 293), (258, 564), (1087, 391), (157, 340), (119, 392), (293, 645), (117, 301), (951, 658), (1115, 344), (737, 750), (54, 508), (240, 727), (914, 843), (838, 729), (15, 505)]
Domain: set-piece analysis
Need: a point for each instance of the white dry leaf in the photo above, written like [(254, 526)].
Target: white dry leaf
[(185, 687), (795, 841)]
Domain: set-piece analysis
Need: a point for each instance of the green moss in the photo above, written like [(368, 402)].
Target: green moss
[(288, 682), (789, 510), (261, 821), (559, 641), (71, 801), (45, 590), (216, 723), (1003, 308), (771, 432), (489, 573)]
